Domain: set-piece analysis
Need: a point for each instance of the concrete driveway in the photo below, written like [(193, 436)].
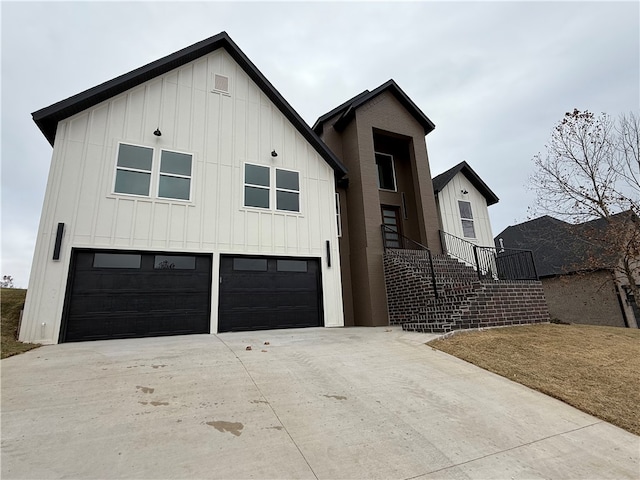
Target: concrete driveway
[(313, 403)]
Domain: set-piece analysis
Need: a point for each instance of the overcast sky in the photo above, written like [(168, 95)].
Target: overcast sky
[(493, 77)]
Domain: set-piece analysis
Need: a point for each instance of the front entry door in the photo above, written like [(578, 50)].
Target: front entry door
[(392, 230)]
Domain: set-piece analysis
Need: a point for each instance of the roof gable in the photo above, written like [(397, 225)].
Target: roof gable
[(349, 108), (47, 118), (440, 181)]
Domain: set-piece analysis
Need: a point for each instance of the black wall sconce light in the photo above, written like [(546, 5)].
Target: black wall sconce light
[(274, 154), (157, 133), (328, 244), (464, 192), (58, 245)]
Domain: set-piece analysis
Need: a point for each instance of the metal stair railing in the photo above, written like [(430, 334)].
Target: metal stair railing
[(490, 262), (405, 243)]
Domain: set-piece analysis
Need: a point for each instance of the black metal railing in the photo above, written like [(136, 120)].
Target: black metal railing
[(490, 262), (515, 264), (458, 248), (394, 240)]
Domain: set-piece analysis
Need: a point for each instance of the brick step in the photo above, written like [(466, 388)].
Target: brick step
[(441, 327), (463, 302)]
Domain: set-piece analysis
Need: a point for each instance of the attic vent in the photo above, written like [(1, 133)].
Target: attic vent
[(220, 83)]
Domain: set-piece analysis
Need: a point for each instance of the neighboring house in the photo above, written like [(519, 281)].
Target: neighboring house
[(186, 196), (462, 199), (581, 280)]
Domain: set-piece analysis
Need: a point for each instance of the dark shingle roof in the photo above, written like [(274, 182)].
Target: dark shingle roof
[(440, 181), (560, 247), (47, 118), (349, 108)]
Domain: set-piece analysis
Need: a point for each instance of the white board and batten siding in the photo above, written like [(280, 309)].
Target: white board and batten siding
[(222, 132), (448, 199)]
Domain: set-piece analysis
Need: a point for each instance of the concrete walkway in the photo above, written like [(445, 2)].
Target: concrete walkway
[(314, 403)]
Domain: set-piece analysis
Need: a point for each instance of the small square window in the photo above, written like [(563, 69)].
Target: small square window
[(386, 173), (256, 175), (287, 180), (256, 197), (133, 156), (289, 201)]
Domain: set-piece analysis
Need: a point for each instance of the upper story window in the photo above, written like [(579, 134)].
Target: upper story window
[(466, 215), (256, 186), (386, 172), (258, 192), (135, 173), (287, 190), (175, 175), (133, 170)]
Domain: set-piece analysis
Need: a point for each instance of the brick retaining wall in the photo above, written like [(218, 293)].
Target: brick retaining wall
[(463, 300)]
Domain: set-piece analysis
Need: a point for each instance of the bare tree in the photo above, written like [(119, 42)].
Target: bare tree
[(628, 166), (591, 170), (6, 282)]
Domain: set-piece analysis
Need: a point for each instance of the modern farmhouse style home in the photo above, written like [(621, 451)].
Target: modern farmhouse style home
[(187, 196)]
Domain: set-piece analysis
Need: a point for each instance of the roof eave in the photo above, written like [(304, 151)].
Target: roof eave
[(402, 97), (47, 118)]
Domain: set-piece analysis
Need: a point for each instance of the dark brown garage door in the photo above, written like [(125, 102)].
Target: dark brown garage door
[(117, 294), (258, 293)]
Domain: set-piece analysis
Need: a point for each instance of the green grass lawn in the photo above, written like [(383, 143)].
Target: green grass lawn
[(11, 303), (595, 369)]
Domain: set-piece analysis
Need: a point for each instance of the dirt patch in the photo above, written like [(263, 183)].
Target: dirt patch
[(591, 368)]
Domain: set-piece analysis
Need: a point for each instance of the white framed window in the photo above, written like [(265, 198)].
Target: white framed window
[(386, 172), (265, 186), (133, 170), (141, 170), (287, 190), (466, 216), (174, 180), (257, 186)]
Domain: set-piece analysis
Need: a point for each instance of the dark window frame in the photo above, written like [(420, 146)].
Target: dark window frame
[(381, 175)]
